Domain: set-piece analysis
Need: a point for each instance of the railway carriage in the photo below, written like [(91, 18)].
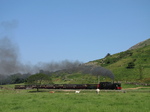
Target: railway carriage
[(101, 85)]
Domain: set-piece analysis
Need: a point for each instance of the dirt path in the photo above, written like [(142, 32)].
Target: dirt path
[(135, 88)]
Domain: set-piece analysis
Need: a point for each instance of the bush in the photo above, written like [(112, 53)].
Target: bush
[(130, 65)]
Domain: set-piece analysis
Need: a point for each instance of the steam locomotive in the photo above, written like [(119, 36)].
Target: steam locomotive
[(101, 85)]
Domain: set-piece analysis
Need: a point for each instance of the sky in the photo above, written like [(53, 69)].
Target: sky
[(83, 30)]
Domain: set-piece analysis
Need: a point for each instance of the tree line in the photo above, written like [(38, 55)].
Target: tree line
[(19, 78)]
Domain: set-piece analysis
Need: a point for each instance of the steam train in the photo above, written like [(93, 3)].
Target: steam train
[(101, 85)]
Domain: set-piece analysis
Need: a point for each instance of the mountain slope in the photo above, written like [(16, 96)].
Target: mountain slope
[(130, 65), (141, 44)]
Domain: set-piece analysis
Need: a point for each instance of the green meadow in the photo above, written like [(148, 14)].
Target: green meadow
[(67, 101)]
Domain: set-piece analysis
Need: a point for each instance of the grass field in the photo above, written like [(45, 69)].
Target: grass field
[(67, 101)]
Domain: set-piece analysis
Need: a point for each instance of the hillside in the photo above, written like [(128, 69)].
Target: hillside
[(130, 65)]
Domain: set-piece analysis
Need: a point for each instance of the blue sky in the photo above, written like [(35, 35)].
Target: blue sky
[(83, 30)]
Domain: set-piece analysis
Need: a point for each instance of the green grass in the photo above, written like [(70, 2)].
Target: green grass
[(86, 101)]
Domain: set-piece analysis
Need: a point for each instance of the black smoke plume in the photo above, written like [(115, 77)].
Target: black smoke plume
[(102, 71), (96, 70), (9, 62), (56, 66), (9, 55)]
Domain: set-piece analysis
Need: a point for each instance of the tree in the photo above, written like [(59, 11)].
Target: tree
[(39, 79), (15, 78), (2, 78)]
